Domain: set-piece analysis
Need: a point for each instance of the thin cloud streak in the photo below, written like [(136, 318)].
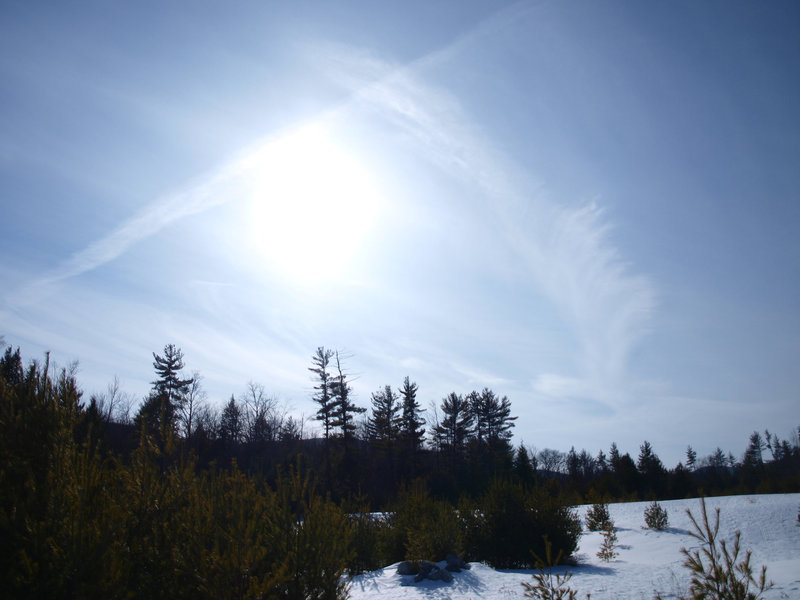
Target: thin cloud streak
[(193, 199), (197, 198)]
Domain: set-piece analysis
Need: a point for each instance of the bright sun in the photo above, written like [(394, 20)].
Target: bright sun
[(313, 204)]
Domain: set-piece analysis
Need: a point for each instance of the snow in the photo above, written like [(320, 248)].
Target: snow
[(648, 561)]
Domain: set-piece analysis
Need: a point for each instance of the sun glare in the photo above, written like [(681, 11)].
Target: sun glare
[(313, 204)]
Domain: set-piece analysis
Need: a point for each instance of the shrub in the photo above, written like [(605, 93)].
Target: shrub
[(557, 522), (717, 572), (598, 517), (511, 523), (420, 528), (470, 525), (366, 530), (434, 535), (655, 517)]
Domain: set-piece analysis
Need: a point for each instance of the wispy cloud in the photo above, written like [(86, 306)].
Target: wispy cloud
[(567, 250), (195, 197)]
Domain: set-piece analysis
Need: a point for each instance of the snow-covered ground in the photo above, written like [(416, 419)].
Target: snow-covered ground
[(648, 561)]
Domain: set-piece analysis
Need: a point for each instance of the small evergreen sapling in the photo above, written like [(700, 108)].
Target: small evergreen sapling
[(655, 517), (598, 518), (547, 586), (608, 551), (717, 572)]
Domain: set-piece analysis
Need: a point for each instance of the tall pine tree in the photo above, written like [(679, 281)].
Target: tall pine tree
[(169, 382), (161, 408), (385, 422), (492, 416), (412, 427), (455, 427), (344, 410), (323, 395)]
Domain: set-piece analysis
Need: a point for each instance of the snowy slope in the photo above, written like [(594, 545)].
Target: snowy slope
[(647, 561)]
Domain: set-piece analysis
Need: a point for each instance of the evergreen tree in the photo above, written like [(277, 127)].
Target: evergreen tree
[(613, 456), (626, 474), (691, 458), (573, 468), (160, 410), (753, 462), (717, 460), (586, 464), (608, 551), (11, 367), (323, 396), (412, 428), (169, 383), (456, 425), (385, 423), (602, 463), (753, 457), (491, 415), (770, 442), (231, 423), (523, 466), (344, 410), (651, 469)]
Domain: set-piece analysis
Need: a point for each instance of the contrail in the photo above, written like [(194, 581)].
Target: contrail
[(211, 192)]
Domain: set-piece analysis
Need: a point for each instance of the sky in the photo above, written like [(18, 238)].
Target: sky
[(591, 208)]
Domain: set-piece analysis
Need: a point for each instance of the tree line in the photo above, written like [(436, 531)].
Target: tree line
[(458, 447)]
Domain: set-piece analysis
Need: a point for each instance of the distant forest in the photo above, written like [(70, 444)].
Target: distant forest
[(458, 448)]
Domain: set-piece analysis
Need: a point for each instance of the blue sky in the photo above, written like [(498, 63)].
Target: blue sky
[(591, 208)]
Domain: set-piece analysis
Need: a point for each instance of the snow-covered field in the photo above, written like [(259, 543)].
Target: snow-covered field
[(648, 561)]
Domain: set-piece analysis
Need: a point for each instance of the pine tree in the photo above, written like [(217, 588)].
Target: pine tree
[(231, 423), (753, 455), (344, 410), (608, 551), (169, 384), (656, 517), (601, 462), (385, 423), (323, 395), (613, 456), (718, 460), (691, 458), (523, 466), (598, 517), (573, 467), (11, 367), (412, 428), (717, 571), (491, 415), (456, 425), (651, 469), (159, 412)]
